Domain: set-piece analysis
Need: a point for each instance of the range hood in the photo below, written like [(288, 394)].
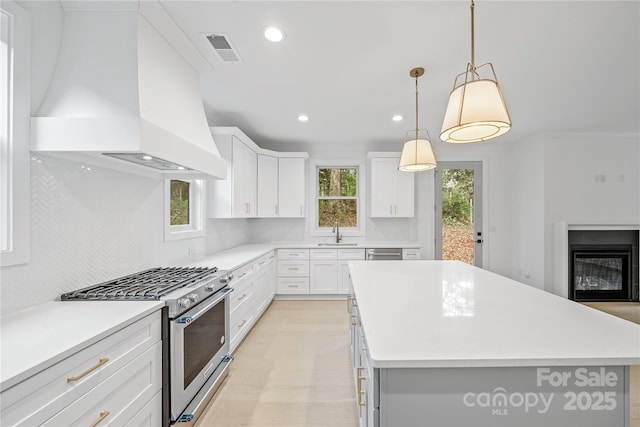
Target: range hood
[(123, 97)]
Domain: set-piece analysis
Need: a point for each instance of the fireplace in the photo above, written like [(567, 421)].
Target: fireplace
[(603, 265)]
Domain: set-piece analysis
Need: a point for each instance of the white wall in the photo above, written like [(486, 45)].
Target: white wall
[(589, 178), (527, 205), (577, 178)]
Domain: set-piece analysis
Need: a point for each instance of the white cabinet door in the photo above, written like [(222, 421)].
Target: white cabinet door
[(267, 186), (245, 180), (291, 187), (405, 193), (250, 164), (383, 186), (323, 277), (392, 191), (261, 291), (344, 280)]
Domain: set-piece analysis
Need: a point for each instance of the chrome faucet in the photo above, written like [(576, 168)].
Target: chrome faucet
[(336, 229)]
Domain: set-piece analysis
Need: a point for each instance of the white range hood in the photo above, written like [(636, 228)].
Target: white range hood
[(123, 97)]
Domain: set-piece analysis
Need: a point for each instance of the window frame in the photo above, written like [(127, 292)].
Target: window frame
[(197, 214), (16, 164), (314, 192)]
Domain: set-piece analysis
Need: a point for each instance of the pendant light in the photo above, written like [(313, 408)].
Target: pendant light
[(417, 154), (476, 110)]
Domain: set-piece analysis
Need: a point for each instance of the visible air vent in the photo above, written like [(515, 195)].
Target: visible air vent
[(223, 47)]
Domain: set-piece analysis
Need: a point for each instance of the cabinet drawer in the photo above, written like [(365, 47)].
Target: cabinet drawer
[(150, 415), (242, 292), (293, 286), (293, 253), (119, 397), (323, 254), (38, 398), (241, 273), (241, 321), (293, 268), (260, 262), (271, 257), (350, 253), (411, 254)]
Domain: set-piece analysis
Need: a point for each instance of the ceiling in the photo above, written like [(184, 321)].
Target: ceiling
[(569, 66)]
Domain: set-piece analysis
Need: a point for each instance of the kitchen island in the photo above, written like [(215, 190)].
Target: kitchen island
[(442, 343)]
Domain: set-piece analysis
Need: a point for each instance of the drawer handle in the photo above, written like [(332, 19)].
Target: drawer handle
[(242, 297), (262, 262), (244, 322), (294, 254), (103, 415), (293, 286), (242, 275), (293, 268), (101, 362)]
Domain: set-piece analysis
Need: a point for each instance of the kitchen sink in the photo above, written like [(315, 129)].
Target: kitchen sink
[(338, 244)]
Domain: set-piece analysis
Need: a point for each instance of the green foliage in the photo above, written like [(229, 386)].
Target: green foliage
[(457, 196), (179, 206), (337, 190)]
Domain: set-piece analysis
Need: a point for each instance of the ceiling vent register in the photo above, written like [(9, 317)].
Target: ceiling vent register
[(223, 47)]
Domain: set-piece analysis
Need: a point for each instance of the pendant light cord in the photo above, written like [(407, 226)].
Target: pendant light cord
[(473, 56), (416, 111)]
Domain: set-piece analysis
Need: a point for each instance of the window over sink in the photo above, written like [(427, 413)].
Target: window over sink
[(184, 209), (338, 197)]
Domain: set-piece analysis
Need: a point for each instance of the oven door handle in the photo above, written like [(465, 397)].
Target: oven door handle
[(185, 320)]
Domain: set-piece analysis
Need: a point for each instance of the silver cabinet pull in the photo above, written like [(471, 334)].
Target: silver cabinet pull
[(102, 416), (101, 362), (242, 297)]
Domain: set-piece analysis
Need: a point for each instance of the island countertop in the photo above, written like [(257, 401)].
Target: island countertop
[(423, 314)]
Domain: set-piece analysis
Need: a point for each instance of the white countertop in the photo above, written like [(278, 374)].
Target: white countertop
[(34, 339), (449, 314), (235, 257)]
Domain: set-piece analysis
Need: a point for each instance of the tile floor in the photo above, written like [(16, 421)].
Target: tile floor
[(293, 369)]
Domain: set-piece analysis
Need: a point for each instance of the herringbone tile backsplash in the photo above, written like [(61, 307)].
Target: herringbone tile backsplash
[(88, 225)]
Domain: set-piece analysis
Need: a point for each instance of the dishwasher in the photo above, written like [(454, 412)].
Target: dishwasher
[(378, 254)]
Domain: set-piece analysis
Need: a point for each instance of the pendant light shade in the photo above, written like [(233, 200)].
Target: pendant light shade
[(476, 110), (417, 154)]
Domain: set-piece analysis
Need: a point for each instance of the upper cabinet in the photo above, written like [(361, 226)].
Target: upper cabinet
[(236, 196), (392, 191), (291, 186), (260, 183), (281, 186)]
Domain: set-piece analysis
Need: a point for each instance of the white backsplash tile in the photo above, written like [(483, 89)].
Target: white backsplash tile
[(91, 224)]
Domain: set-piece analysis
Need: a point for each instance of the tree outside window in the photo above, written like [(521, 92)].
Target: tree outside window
[(180, 196), (337, 199)]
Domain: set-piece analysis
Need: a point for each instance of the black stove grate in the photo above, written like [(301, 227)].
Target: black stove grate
[(146, 285)]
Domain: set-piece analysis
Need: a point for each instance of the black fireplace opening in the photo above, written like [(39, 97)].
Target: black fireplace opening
[(600, 273)]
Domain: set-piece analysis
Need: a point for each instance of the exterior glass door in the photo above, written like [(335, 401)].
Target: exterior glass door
[(458, 198)]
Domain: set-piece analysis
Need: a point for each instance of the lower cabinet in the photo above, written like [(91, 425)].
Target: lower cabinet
[(254, 286), (116, 381)]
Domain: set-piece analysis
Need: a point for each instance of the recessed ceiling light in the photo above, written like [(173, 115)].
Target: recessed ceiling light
[(145, 157), (303, 118), (397, 118), (273, 34)]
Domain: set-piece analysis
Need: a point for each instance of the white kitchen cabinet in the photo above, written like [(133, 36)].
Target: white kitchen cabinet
[(281, 186), (291, 187), (236, 196), (293, 271), (117, 377), (408, 254), (392, 191), (323, 277), (267, 186)]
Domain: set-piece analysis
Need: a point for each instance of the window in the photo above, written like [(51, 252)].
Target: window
[(338, 197), (184, 209), (15, 116)]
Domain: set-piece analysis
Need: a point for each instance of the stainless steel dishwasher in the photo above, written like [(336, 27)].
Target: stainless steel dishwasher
[(377, 254)]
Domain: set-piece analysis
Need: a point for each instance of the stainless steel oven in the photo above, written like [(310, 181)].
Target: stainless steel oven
[(199, 352), (196, 331)]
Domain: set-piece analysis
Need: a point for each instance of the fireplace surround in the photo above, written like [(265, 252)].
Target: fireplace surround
[(603, 265)]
